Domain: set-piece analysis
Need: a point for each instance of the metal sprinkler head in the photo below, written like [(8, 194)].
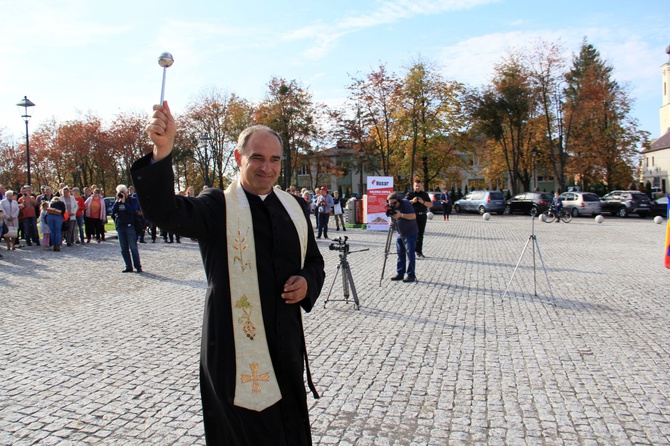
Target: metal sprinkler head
[(165, 60)]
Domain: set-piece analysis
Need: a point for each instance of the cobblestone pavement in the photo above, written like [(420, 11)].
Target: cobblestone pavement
[(92, 356)]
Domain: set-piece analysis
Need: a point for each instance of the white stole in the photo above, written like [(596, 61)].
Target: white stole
[(256, 386)]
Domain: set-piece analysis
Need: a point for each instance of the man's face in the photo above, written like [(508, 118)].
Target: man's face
[(418, 187), (261, 162), (393, 203)]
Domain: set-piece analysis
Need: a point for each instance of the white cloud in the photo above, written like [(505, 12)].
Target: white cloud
[(325, 36)]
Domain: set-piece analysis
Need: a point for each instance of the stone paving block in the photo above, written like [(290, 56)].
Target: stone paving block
[(447, 360)]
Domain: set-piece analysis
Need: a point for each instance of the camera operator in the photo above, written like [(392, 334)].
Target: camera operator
[(401, 210), (420, 202), (125, 214)]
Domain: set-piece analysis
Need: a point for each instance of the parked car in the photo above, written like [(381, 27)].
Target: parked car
[(581, 203), (481, 201), (660, 207), (533, 203), (436, 204), (625, 202), (109, 204)]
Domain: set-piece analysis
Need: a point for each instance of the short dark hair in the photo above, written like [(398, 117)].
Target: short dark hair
[(246, 134), (394, 196)]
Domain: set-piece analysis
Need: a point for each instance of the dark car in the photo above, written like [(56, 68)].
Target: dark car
[(660, 207), (533, 203), (109, 204), (625, 202)]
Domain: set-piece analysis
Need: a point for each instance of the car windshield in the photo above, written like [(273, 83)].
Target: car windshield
[(497, 196), (640, 197), (546, 196), (590, 197)]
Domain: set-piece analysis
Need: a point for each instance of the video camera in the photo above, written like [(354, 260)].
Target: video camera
[(390, 210), (340, 245)]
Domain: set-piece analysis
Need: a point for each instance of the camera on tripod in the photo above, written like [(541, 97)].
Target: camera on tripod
[(390, 210), (340, 245)]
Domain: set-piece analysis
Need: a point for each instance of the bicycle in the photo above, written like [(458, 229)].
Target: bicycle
[(549, 216)]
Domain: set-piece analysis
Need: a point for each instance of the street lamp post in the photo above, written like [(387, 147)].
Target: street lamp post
[(534, 154), (361, 154), (205, 138), (25, 108)]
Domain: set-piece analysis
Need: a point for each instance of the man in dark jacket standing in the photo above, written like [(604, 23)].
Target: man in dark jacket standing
[(262, 265), (421, 203)]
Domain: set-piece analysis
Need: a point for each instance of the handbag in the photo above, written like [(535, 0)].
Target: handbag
[(337, 209), (11, 232)]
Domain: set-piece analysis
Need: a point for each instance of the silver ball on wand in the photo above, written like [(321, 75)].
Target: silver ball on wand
[(165, 60)]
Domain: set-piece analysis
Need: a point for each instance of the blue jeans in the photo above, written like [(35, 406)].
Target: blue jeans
[(323, 224), (128, 242), (55, 223), (30, 230), (405, 247), (80, 223)]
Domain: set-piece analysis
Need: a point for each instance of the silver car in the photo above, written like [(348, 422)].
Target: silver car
[(481, 201), (581, 203)]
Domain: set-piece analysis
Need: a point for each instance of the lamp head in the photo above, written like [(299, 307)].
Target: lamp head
[(165, 60)]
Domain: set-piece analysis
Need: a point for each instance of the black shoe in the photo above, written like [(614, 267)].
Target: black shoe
[(318, 236), (139, 270), (397, 277), (127, 270), (142, 241), (409, 279), (344, 229)]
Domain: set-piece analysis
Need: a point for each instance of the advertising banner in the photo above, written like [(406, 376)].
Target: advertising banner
[(378, 189)]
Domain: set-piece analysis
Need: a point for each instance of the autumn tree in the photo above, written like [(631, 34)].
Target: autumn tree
[(288, 108), (604, 137), (378, 97), (431, 119), (547, 66), (506, 111), (212, 122)]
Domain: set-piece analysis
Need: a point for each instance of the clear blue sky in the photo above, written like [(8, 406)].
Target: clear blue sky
[(74, 56)]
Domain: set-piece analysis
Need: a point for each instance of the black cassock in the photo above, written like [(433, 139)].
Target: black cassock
[(278, 258)]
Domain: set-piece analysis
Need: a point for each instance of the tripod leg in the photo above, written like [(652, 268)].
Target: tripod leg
[(387, 249), (517, 264), (345, 283), (347, 272), (331, 285), (546, 275)]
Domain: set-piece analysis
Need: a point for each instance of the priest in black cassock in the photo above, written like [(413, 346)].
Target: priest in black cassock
[(262, 265)]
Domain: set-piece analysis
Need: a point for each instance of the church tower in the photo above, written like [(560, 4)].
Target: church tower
[(665, 108)]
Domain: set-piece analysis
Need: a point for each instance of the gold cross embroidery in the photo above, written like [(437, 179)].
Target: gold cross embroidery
[(255, 377)]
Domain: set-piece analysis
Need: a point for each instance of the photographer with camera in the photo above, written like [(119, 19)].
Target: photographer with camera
[(400, 210), (324, 203), (125, 215)]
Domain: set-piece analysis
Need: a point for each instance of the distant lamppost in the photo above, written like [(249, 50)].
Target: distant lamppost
[(534, 154), (25, 107), (206, 139), (361, 154)]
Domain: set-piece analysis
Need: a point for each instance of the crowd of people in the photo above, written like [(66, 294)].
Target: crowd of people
[(65, 216), (69, 216)]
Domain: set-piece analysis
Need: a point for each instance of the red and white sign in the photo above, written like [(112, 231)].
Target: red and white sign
[(378, 189)]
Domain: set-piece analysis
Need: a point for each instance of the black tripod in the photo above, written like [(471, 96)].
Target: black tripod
[(389, 240), (347, 278), (531, 239)]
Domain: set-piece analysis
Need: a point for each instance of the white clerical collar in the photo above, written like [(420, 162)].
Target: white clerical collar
[(262, 197)]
